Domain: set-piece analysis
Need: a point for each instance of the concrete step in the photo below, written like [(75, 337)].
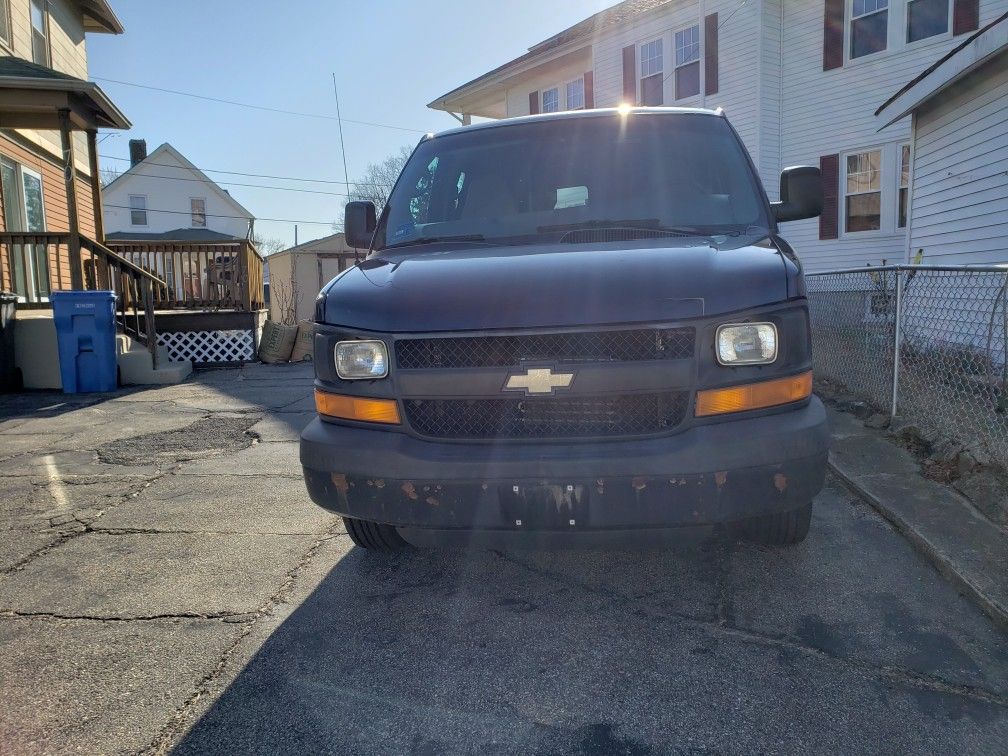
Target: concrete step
[(125, 343), (136, 369)]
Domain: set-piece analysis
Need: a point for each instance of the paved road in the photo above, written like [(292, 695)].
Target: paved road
[(180, 591)]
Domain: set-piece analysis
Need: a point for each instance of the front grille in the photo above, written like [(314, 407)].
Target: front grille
[(506, 351), (548, 418)]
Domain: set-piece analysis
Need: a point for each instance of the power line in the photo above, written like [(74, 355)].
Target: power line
[(253, 186), (215, 215), (255, 107), (252, 175)]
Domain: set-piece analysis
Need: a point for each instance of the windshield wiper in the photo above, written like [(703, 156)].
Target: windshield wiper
[(435, 239)]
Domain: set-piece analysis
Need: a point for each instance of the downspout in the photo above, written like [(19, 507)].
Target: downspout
[(701, 7), (780, 89), (910, 187)]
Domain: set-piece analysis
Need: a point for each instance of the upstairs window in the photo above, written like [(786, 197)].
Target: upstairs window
[(575, 94), (926, 18), (5, 29), (869, 27), (197, 209), (40, 32), (652, 68), (138, 209), (904, 186), (863, 191), (551, 100), (687, 62)]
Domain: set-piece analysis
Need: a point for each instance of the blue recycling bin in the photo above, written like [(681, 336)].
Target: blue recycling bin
[(85, 331)]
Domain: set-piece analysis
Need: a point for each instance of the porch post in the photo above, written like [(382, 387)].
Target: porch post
[(69, 174), (96, 198)]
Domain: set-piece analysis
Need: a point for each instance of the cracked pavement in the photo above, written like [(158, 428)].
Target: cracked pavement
[(181, 592)]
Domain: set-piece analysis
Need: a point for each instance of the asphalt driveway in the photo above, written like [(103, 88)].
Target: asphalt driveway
[(167, 584)]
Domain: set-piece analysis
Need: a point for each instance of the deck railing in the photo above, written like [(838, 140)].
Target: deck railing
[(33, 265), (211, 276)]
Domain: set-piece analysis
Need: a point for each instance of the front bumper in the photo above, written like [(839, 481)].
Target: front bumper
[(709, 474)]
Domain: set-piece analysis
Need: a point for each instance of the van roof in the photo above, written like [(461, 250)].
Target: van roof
[(578, 114)]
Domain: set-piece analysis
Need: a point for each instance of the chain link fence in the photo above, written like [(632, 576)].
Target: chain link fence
[(927, 343)]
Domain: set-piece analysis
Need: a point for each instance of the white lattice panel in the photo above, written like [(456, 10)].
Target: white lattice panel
[(209, 346)]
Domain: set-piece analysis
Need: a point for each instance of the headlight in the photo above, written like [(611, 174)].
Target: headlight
[(356, 360), (747, 344)]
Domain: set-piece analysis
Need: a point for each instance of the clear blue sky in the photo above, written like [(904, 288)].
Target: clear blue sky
[(390, 58)]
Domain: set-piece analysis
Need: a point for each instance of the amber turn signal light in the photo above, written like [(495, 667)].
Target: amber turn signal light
[(754, 395), (357, 408)]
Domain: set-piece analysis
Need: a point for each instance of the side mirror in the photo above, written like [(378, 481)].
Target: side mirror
[(359, 223), (801, 194)]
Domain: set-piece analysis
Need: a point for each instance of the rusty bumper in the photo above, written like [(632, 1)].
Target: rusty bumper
[(711, 474)]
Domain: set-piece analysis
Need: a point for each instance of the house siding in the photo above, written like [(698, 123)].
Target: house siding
[(826, 112), (738, 61), (67, 53), (960, 185), (54, 205), (168, 185), (517, 97), (786, 108)]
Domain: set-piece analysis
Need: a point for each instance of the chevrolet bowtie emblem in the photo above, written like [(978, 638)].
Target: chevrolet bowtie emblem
[(538, 381)]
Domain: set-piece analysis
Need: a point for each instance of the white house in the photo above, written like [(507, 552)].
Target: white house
[(298, 274), (959, 139), (164, 197), (799, 80)]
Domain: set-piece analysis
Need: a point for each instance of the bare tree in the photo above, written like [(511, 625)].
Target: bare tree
[(107, 175), (376, 183), (268, 245), (287, 298)]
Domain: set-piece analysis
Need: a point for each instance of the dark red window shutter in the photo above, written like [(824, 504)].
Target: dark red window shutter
[(829, 221), (630, 74), (710, 54), (833, 35), (589, 89), (533, 102), (965, 16)]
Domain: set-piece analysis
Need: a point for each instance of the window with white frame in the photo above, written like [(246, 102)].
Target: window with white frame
[(687, 62), (863, 191), (197, 211), (575, 94), (926, 18), (138, 209), (904, 186), (550, 100), (869, 27), (40, 31), (652, 68)]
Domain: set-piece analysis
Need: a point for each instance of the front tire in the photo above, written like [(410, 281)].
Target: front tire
[(374, 536), (780, 529)]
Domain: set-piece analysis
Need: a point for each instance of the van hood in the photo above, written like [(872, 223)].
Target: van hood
[(454, 288)]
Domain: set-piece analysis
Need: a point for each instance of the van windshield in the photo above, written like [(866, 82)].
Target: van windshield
[(539, 180)]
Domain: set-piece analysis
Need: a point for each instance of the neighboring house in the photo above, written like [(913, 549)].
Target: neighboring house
[(165, 197), (169, 217), (959, 140), (800, 81), (298, 274), (43, 70)]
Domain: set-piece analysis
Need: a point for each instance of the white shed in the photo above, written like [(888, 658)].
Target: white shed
[(958, 187), (298, 274)]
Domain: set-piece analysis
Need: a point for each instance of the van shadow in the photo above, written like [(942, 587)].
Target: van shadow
[(472, 651)]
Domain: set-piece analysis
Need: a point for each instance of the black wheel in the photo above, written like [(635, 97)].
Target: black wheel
[(780, 529), (373, 535)]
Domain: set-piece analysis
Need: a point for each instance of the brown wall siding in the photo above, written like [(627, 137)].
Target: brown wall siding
[(54, 203)]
